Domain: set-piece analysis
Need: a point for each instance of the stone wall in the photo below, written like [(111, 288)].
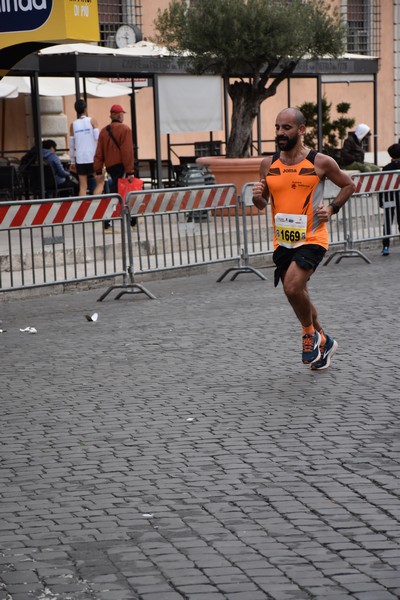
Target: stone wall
[(54, 122)]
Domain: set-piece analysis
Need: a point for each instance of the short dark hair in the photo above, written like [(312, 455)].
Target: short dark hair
[(80, 106), (47, 144), (394, 151)]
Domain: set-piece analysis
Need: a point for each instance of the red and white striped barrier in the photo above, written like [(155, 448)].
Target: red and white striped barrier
[(58, 212), (181, 199), (383, 181)]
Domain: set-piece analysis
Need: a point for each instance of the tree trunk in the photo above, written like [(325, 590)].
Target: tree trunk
[(245, 105)]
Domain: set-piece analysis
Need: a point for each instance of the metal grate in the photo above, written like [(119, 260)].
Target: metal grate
[(113, 14), (364, 26)]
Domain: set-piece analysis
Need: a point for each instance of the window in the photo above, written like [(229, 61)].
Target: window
[(364, 26), (113, 13)]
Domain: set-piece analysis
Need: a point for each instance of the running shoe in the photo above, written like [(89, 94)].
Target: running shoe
[(327, 351), (385, 251), (311, 351)]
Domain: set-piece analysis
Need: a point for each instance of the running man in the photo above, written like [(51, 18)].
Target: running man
[(293, 181)]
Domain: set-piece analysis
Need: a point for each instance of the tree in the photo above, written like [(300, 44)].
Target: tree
[(333, 132), (257, 42)]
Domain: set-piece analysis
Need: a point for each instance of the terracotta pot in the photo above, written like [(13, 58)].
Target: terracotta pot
[(233, 170), (236, 171)]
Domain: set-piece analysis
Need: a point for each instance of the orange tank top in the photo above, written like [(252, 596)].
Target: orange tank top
[(295, 193)]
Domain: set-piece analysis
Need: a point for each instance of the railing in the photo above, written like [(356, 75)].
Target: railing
[(359, 221), (39, 241), (60, 241), (179, 228), (362, 217)]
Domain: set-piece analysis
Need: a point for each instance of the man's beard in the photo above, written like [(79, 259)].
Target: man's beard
[(288, 142)]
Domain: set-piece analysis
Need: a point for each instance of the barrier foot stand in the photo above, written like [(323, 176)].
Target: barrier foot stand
[(240, 270), (140, 289), (127, 289), (346, 254)]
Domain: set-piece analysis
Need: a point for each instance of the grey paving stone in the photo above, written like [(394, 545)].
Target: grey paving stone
[(163, 595), (335, 595), (236, 596), (379, 595), (22, 589), (238, 587), (117, 595), (207, 596), (15, 577)]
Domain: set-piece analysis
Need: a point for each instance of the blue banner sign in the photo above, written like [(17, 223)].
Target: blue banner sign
[(23, 15)]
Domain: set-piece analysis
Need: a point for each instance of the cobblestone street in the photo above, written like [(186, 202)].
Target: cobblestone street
[(178, 449)]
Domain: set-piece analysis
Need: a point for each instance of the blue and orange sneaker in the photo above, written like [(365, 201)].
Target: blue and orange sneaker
[(327, 351), (311, 351)]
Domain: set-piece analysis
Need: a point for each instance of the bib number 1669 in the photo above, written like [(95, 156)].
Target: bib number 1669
[(289, 235)]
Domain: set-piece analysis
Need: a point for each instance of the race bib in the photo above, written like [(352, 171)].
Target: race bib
[(290, 229)]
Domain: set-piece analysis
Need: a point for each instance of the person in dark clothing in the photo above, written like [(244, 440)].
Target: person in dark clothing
[(63, 177), (390, 201), (28, 159), (352, 154)]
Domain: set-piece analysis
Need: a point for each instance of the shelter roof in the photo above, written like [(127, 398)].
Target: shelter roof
[(145, 59), (11, 87)]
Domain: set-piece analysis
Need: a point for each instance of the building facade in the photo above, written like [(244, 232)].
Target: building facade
[(373, 30)]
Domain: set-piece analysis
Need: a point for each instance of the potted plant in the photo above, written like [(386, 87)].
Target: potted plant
[(333, 131), (254, 45)]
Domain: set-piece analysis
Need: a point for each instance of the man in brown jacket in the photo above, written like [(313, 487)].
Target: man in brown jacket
[(115, 152)]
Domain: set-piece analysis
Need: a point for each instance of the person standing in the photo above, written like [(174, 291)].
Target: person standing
[(390, 198), (293, 181), (84, 133), (114, 151)]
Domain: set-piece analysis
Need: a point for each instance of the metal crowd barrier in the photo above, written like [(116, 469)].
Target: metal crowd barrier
[(180, 227), (61, 240), (360, 220), (361, 217), (57, 241), (258, 230)]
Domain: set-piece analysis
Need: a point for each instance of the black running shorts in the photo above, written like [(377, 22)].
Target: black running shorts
[(84, 169), (306, 257)]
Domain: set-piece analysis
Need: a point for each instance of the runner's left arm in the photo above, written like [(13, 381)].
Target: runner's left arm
[(328, 167)]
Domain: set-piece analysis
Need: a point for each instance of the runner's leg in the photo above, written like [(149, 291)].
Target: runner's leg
[(295, 288)]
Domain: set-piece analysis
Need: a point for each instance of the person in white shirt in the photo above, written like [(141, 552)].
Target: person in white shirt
[(84, 133)]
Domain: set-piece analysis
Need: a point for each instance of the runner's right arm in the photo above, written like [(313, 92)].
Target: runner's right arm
[(260, 189)]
